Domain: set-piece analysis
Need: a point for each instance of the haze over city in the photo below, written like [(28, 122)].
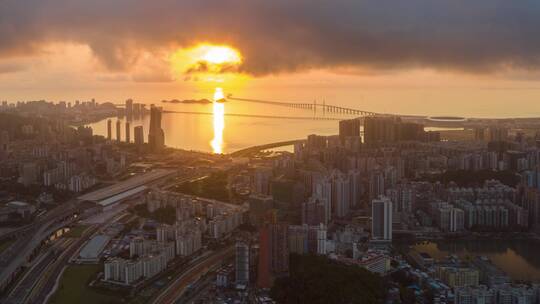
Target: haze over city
[(183, 151)]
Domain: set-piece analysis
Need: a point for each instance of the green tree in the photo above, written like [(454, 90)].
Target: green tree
[(316, 279)]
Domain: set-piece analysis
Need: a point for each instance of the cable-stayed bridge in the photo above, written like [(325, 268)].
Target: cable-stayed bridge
[(321, 108)]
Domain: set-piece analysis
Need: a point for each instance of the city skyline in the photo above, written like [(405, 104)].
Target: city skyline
[(270, 152)]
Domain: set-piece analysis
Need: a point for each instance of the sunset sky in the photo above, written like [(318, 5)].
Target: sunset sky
[(415, 51)]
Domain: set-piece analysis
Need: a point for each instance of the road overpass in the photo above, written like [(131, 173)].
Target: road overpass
[(247, 151), (24, 248), (129, 184)]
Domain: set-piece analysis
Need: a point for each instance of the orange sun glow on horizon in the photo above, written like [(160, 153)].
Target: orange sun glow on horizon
[(209, 63)]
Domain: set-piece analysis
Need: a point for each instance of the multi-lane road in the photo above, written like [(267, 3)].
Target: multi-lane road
[(174, 291), (15, 256), (20, 292), (46, 281), (38, 282), (30, 237)]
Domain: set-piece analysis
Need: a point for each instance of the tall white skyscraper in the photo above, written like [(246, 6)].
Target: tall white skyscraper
[(381, 218)]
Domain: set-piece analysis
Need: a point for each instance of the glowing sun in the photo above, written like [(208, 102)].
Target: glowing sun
[(219, 54), (211, 63)]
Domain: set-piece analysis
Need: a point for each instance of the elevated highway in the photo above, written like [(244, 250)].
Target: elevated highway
[(24, 248), (247, 151)]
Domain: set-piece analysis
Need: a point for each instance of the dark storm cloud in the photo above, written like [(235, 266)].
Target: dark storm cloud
[(288, 35), (207, 67), (199, 67)]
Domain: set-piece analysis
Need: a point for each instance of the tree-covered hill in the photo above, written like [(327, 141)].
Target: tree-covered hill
[(316, 279)]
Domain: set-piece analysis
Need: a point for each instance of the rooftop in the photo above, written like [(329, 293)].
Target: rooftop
[(122, 196), (17, 204), (93, 248)]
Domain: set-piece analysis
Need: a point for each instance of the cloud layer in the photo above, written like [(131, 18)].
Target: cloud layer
[(283, 35)]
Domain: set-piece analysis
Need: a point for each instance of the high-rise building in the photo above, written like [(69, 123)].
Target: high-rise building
[(4, 144), (355, 187), (156, 136), (376, 184), (273, 254), (114, 270), (136, 109), (381, 219), (137, 247), (380, 129), (109, 129), (298, 238), (349, 128), (497, 133), (322, 189), (165, 233), (449, 219), (264, 267), (480, 133), (261, 180), (189, 242), (85, 133), (280, 252), (259, 206), (304, 239), (457, 220), (128, 132), (139, 136), (118, 132), (314, 211), (242, 263), (410, 131), (129, 108), (387, 129), (341, 191), (402, 197), (316, 142)]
